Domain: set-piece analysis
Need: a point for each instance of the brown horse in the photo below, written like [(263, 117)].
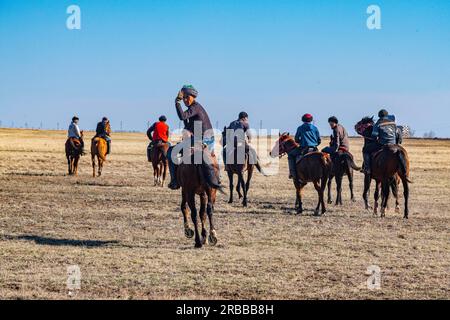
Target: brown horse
[(193, 183), (389, 165), (314, 167), (159, 163), (343, 164), (99, 149), (73, 153), (239, 170)]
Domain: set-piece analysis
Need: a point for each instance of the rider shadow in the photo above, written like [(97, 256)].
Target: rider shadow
[(64, 242)]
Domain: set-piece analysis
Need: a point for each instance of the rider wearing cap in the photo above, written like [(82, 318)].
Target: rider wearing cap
[(103, 130), (74, 133), (308, 137), (339, 138), (195, 113)]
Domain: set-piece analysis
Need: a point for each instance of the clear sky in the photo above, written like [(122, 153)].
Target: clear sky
[(274, 59)]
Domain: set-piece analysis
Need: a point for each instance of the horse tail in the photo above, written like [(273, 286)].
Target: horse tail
[(350, 162), (403, 165), (260, 169)]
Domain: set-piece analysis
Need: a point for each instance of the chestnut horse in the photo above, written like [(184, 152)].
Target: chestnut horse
[(193, 182), (98, 149), (389, 165), (159, 163), (314, 167), (73, 153)]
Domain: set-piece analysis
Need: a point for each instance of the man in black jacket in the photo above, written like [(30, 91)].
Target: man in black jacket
[(195, 114), (103, 130)]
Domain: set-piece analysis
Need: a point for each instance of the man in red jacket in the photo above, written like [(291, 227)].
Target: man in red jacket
[(158, 133)]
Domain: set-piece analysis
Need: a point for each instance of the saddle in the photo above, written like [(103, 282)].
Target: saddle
[(300, 157), (74, 143)]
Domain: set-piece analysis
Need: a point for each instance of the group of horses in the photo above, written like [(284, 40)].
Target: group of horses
[(390, 166), (74, 150)]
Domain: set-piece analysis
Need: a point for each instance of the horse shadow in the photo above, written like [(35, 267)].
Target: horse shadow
[(63, 242)]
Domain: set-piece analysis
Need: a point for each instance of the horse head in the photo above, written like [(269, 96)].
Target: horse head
[(364, 124), (279, 148)]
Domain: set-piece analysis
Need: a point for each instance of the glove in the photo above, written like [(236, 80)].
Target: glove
[(180, 95)]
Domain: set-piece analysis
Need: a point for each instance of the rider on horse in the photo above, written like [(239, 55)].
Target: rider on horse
[(308, 137), (74, 135), (240, 130), (104, 131), (339, 139), (195, 113), (158, 133), (384, 132)]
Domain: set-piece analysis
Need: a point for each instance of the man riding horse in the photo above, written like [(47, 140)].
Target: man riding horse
[(308, 137), (239, 130), (103, 130), (74, 135), (194, 117), (158, 133), (383, 132), (339, 138)]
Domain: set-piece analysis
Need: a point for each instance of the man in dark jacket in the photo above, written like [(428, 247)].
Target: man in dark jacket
[(239, 130), (339, 138), (308, 137), (103, 130), (195, 113)]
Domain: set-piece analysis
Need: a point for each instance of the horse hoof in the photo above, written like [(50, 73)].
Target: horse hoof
[(330, 201), (189, 233), (204, 240), (198, 245), (212, 239), (316, 213), (230, 201), (397, 210), (244, 203)]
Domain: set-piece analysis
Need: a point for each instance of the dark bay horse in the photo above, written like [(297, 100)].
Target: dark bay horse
[(343, 164), (193, 183), (389, 165), (314, 167), (239, 169), (159, 163), (73, 152)]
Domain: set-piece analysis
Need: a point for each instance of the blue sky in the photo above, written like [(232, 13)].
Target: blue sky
[(274, 59)]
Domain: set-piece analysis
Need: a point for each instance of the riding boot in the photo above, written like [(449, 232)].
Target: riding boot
[(292, 168), (173, 172), (108, 149)]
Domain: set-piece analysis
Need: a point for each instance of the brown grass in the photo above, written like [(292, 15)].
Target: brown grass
[(127, 236)]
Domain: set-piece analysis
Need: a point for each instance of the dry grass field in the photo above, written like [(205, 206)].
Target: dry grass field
[(127, 235)]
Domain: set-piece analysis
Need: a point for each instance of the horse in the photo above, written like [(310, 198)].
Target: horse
[(159, 163), (387, 180), (314, 167), (389, 165), (239, 169), (73, 152), (193, 182), (99, 149), (343, 164)]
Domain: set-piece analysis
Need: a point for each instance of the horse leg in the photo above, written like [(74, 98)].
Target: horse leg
[(367, 181), (299, 191), (394, 188), (376, 196), (250, 169), (350, 183), (164, 173), (68, 163), (406, 196), (244, 189), (209, 210), (323, 185), (155, 173), (338, 178), (238, 188), (230, 179), (75, 165), (203, 201), (318, 188), (188, 232), (191, 203), (385, 197), (100, 166), (329, 190), (93, 166)]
